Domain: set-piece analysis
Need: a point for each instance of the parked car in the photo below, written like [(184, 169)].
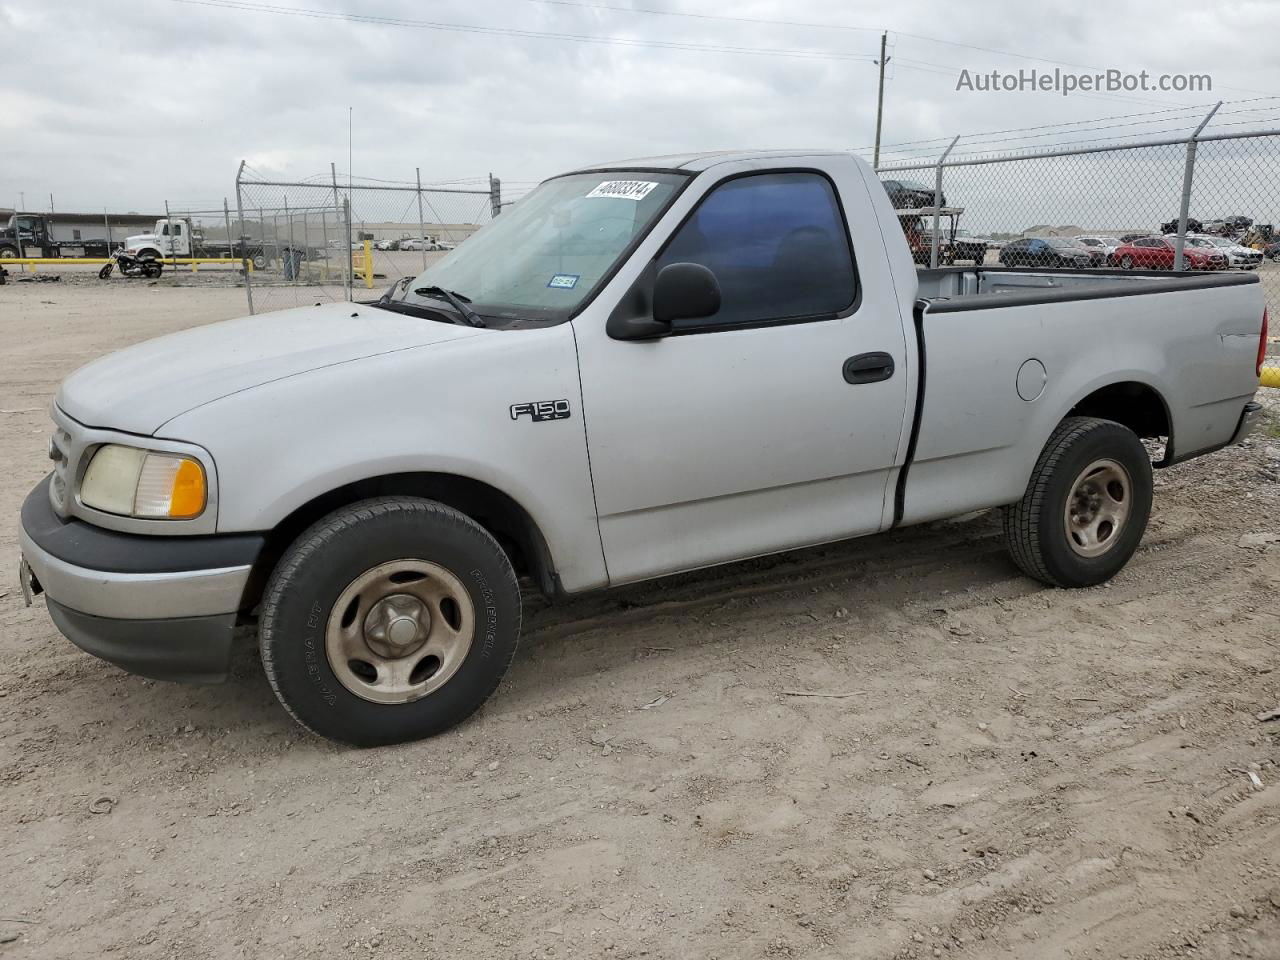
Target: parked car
[(412, 243), (1171, 226), (1272, 251), (1100, 247), (376, 541), (1239, 257), (912, 194), (1157, 253), (389, 245), (1046, 252)]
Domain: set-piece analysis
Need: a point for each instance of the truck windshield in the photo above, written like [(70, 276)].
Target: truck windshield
[(542, 256)]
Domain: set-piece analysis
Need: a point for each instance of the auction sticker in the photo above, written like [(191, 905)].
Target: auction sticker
[(564, 281), (624, 189)]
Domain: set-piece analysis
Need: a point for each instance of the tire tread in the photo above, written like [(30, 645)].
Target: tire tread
[(318, 537), (1021, 521)]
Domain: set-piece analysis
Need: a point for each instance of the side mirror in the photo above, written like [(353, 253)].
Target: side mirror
[(685, 291)]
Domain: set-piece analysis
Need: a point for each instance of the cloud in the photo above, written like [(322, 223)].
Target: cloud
[(127, 105)]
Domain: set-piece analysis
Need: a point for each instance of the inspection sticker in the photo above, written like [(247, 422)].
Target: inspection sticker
[(564, 281), (624, 189)]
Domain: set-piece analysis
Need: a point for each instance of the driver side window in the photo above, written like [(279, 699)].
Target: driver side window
[(778, 246)]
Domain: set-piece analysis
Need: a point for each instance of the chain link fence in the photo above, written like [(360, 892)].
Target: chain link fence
[(326, 239), (1194, 203)]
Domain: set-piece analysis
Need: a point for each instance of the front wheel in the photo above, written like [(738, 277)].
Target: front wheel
[(389, 620), (1126, 262), (1086, 505)]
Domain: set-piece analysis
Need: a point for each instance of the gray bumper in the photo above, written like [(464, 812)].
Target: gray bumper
[(1248, 420), (187, 649), (136, 595), (163, 607)]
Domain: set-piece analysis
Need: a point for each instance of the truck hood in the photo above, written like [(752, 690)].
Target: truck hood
[(140, 388), (141, 238)]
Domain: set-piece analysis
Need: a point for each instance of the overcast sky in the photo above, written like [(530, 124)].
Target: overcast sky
[(126, 105)]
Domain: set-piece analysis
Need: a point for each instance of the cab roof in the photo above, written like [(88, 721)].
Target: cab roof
[(696, 162)]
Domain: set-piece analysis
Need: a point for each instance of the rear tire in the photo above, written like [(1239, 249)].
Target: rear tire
[(1086, 505), (389, 620)]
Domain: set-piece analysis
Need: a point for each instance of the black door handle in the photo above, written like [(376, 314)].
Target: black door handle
[(868, 368)]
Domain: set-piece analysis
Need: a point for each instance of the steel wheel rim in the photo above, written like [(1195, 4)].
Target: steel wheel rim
[(399, 631), (1098, 507)]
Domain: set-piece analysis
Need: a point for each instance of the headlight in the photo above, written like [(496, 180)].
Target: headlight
[(142, 483)]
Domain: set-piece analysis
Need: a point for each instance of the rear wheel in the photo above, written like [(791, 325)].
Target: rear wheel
[(389, 620), (1086, 506), (259, 261)]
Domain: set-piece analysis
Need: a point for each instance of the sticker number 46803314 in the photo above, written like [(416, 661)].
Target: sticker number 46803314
[(540, 410)]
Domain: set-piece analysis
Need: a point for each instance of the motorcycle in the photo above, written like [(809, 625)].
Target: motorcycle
[(131, 266)]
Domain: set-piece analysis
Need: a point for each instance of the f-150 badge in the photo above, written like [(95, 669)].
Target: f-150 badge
[(540, 410)]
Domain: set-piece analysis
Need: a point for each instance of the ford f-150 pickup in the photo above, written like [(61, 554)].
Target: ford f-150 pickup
[(641, 368)]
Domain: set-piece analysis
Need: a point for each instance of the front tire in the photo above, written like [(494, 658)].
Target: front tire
[(1086, 505), (389, 620)]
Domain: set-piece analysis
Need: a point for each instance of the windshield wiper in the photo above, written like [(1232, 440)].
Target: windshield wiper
[(455, 300)]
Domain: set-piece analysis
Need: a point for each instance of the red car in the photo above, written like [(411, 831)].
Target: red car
[(1157, 253)]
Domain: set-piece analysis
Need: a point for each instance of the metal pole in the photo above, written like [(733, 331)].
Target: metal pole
[(937, 193), (244, 247), (422, 229), (351, 267), (288, 218), (875, 162), (226, 223), (173, 250), (106, 219), (1188, 171), (324, 235), (306, 244), (339, 209), (495, 195)]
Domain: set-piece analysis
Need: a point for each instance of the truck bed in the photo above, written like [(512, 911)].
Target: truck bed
[(968, 288), (1006, 354)]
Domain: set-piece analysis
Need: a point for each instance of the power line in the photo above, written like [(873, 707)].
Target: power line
[(247, 6), (766, 21)]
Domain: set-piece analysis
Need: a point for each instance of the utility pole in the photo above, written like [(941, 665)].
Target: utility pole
[(884, 37)]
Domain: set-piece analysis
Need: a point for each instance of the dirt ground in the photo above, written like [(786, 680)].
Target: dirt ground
[(996, 770)]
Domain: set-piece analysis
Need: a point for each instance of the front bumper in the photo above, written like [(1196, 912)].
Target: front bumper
[(162, 607)]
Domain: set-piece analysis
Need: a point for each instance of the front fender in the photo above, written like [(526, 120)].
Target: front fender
[(439, 409)]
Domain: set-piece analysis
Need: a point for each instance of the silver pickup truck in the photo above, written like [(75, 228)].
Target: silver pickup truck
[(641, 368)]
